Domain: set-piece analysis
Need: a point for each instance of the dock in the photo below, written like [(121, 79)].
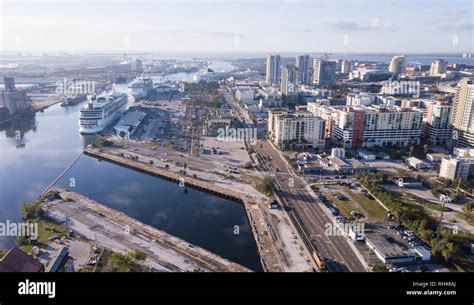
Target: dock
[(269, 255), (118, 232)]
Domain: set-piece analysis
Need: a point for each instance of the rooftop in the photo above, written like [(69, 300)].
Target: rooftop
[(131, 118), (18, 261), (386, 241)]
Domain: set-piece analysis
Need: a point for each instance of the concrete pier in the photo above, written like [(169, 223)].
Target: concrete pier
[(270, 259), (121, 233)]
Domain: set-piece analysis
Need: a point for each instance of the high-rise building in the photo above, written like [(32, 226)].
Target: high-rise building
[(397, 65), (438, 67), (273, 69), (338, 63), (302, 63), (324, 72), (347, 66), (462, 117), (289, 90), (299, 129), (137, 65), (369, 126), (438, 129)]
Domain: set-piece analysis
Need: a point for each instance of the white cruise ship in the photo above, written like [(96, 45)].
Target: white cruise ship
[(101, 111), (140, 87)]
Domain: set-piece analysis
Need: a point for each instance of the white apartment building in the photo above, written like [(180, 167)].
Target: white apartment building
[(245, 94), (457, 167), (360, 99), (375, 125)]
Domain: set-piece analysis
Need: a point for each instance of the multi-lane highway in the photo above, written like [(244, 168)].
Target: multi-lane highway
[(336, 250)]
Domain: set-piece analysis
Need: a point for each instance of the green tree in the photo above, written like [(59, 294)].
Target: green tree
[(32, 210), (266, 185), (129, 262), (412, 149)]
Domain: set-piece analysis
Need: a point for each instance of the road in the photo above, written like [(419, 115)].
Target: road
[(336, 251), (241, 114)]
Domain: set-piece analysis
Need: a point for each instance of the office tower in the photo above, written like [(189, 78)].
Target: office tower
[(347, 66), (302, 63), (462, 117), (438, 67), (288, 87), (397, 65), (324, 72), (273, 69), (338, 64)]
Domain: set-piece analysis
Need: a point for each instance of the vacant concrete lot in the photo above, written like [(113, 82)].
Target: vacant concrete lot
[(232, 153)]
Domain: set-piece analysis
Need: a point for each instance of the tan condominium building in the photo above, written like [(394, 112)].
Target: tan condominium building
[(438, 67), (462, 116), (295, 130)]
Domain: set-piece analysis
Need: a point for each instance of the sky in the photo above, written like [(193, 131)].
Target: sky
[(348, 26)]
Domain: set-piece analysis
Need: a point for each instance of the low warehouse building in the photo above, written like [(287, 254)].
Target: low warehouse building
[(129, 123), (388, 246)]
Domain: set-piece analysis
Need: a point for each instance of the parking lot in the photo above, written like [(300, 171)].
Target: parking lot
[(227, 152)]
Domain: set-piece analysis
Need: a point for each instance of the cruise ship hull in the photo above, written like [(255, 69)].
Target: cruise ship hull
[(137, 93), (140, 87), (102, 124)]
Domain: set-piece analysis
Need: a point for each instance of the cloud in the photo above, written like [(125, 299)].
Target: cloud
[(449, 16), (458, 27), (347, 26), (352, 26)]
